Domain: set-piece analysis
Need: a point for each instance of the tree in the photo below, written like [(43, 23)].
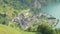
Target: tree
[(45, 29)]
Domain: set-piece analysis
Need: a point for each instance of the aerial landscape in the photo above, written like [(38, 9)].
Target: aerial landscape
[(29, 16)]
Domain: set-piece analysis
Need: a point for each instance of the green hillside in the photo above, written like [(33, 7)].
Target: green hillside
[(7, 30)]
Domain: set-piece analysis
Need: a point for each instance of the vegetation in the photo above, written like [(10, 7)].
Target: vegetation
[(7, 30), (45, 29), (30, 11)]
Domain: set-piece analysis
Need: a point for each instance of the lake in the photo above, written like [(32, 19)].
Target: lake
[(53, 9)]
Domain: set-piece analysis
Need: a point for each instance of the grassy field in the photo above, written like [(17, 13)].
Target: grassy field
[(8, 30)]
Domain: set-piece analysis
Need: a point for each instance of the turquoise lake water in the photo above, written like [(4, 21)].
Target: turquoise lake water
[(54, 10)]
